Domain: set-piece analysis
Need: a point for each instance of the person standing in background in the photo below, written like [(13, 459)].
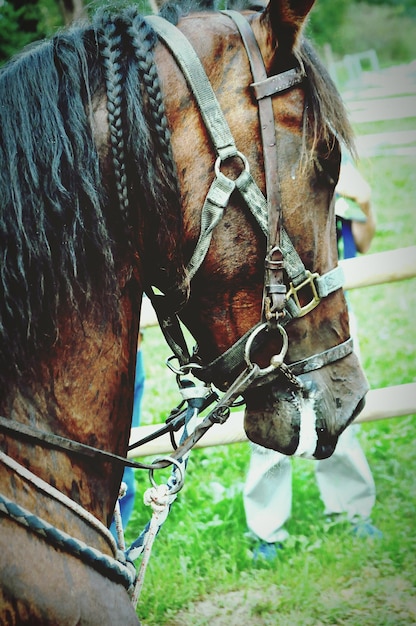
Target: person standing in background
[(147, 318), (344, 480)]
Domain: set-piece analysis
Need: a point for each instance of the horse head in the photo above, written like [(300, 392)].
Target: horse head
[(303, 406)]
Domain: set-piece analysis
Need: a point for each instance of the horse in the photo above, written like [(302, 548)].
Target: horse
[(115, 182)]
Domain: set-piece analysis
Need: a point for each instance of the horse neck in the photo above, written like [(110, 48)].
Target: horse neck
[(81, 389)]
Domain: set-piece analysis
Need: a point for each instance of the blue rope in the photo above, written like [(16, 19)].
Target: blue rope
[(194, 405), (113, 569)]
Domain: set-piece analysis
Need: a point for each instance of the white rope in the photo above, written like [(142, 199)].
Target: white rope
[(160, 499), (118, 519)]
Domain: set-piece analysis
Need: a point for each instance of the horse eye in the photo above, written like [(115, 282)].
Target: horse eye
[(327, 167)]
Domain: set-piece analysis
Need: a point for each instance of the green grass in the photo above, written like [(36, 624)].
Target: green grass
[(323, 576)]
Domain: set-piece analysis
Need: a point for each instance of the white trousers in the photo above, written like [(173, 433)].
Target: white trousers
[(344, 480), (345, 483)]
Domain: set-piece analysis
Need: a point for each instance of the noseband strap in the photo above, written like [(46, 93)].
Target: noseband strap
[(223, 370)]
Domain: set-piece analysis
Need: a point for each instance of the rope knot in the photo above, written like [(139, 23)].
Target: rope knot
[(123, 490), (157, 497)]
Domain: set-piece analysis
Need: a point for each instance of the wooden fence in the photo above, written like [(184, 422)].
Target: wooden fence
[(395, 401)]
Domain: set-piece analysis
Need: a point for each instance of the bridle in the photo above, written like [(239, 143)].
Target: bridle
[(280, 305)]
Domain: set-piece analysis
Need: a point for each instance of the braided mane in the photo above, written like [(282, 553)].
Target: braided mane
[(62, 230)]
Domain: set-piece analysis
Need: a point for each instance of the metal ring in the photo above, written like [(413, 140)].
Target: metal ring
[(219, 160), (277, 359), (182, 369), (171, 461)]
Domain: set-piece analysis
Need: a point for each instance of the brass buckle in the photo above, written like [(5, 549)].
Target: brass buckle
[(293, 292)]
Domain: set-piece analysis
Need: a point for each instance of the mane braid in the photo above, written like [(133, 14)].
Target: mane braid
[(163, 192), (111, 52), (151, 83), (60, 237)]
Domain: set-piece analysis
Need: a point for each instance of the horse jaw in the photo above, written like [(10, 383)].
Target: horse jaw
[(307, 423)]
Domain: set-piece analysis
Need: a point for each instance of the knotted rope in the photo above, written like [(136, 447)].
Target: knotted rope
[(117, 518), (161, 497)]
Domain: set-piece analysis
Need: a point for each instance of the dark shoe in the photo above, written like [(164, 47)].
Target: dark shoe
[(266, 551), (366, 530)]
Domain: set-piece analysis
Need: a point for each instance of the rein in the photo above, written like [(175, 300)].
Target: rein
[(62, 443)]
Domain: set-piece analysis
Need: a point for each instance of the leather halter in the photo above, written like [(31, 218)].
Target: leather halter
[(280, 306)]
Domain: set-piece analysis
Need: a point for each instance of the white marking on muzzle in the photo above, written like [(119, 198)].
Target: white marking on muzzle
[(308, 437)]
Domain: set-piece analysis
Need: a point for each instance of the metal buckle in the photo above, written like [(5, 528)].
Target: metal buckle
[(293, 292)]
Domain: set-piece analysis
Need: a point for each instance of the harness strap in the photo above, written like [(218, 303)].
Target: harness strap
[(116, 567), (279, 82), (222, 370), (222, 187), (169, 325), (198, 81), (267, 213), (312, 363), (274, 288), (212, 212), (75, 447), (281, 252), (221, 137), (40, 485)]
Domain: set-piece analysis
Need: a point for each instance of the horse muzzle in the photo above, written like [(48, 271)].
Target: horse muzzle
[(306, 421)]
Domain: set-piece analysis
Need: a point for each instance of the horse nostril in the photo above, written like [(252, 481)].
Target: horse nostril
[(326, 444), (323, 452)]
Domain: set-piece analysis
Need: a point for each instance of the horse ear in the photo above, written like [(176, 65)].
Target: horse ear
[(287, 18)]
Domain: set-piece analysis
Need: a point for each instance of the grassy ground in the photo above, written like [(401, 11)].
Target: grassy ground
[(201, 571)]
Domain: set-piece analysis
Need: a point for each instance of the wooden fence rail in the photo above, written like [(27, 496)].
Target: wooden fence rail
[(379, 268), (395, 401)]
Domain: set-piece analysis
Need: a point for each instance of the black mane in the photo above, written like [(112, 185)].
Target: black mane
[(62, 230)]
